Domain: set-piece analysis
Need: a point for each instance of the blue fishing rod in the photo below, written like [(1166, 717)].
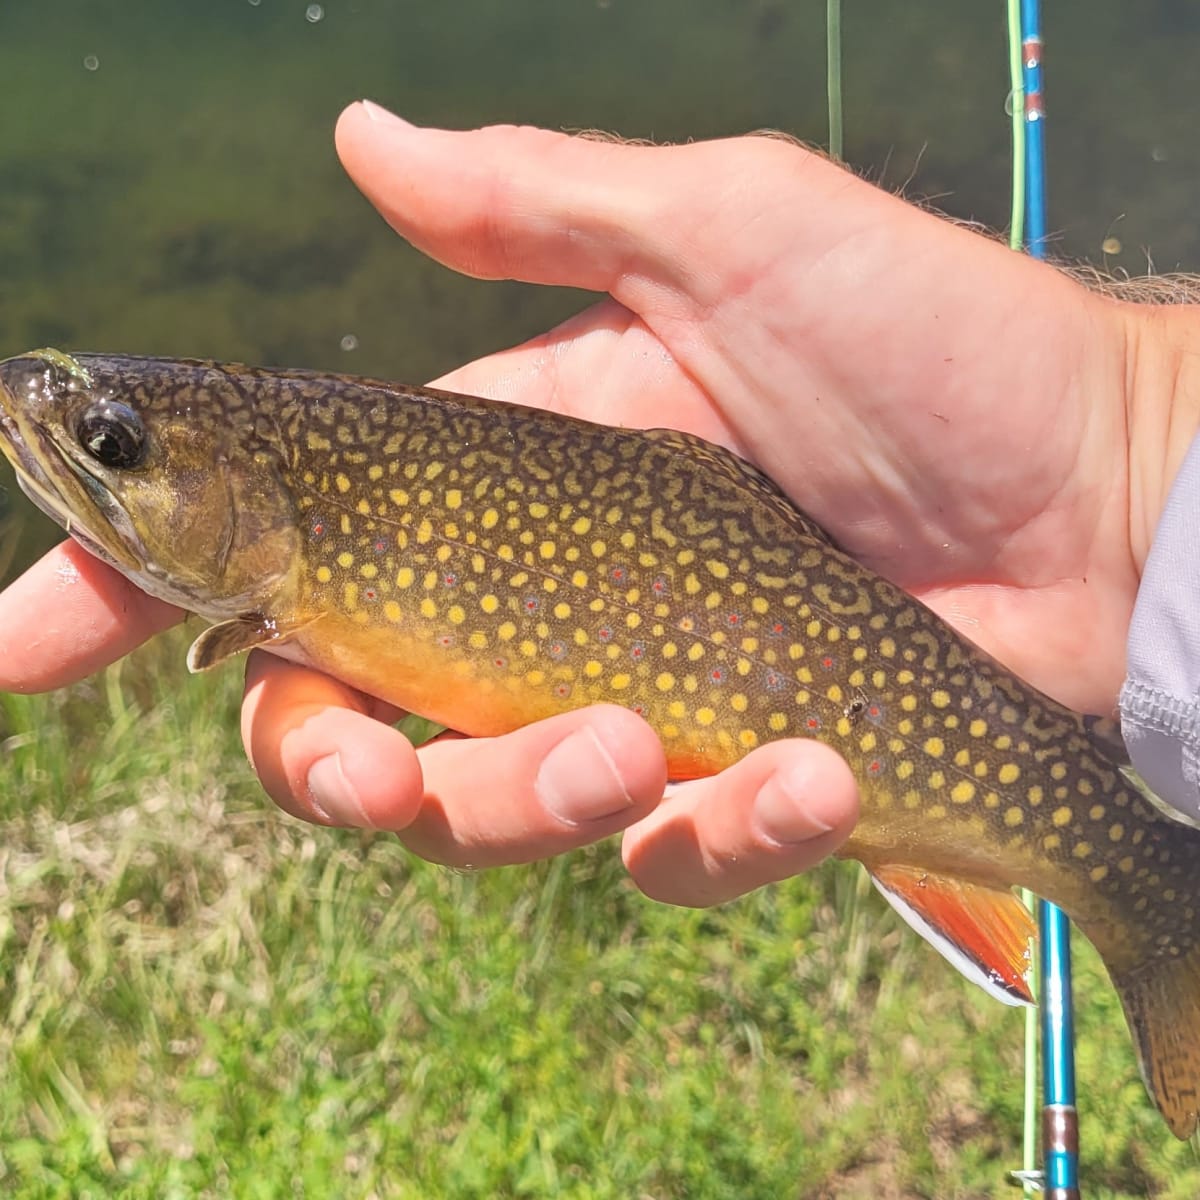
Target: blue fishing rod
[(1060, 1118)]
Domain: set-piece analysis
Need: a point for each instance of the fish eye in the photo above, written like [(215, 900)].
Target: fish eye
[(113, 434)]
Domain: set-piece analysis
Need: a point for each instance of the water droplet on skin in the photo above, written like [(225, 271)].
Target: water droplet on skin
[(1111, 245), (313, 13), (349, 342), (91, 63)]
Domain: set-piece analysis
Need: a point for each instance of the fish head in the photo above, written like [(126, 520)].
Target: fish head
[(159, 469)]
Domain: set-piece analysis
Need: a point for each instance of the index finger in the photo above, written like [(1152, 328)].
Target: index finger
[(68, 616)]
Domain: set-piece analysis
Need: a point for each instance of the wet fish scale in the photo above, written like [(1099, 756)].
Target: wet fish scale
[(488, 565)]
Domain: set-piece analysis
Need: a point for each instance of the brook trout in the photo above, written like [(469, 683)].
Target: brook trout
[(486, 565)]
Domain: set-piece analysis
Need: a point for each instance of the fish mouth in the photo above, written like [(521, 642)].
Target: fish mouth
[(47, 495)]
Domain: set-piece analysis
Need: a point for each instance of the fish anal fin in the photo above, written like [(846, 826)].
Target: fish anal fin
[(1162, 1005), (228, 638), (984, 932)]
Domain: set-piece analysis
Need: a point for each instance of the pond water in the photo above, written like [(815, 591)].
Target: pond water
[(168, 185)]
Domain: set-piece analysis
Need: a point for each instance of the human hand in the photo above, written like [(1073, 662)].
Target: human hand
[(980, 457)]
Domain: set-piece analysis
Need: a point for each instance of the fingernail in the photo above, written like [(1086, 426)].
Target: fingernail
[(332, 795), (381, 116), (786, 810), (579, 781)]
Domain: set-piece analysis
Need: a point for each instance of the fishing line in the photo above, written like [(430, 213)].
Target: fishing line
[(833, 74)]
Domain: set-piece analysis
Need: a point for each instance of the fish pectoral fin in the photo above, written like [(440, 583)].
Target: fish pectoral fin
[(984, 932), (227, 638)]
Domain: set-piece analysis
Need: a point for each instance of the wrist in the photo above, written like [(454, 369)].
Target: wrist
[(1163, 409)]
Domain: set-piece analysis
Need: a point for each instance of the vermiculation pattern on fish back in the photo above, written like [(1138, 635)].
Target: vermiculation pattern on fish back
[(548, 565)]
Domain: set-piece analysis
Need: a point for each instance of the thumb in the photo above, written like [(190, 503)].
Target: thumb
[(510, 202)]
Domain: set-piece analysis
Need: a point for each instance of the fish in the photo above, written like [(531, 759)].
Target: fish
[(486, 565)]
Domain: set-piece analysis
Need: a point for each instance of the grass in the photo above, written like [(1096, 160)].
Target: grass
[(201, 997)]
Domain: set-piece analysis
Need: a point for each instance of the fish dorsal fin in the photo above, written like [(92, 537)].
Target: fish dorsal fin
[(744, 473), (227, 638), (983, 932)]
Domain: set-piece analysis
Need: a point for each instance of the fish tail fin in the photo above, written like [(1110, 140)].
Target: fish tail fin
[(1162, 1004)]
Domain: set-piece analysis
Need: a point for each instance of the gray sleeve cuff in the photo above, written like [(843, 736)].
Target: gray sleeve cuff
[(1160, 699)]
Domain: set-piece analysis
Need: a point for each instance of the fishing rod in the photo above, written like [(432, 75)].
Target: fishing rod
[(1060, 1118)]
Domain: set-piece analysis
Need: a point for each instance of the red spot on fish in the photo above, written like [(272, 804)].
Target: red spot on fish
[(604, 633), (813, 723), (370, 593), (659, 586), (827, 662), (716, 675), (637, 651), (874, 767), (450, 579), (734, 619)]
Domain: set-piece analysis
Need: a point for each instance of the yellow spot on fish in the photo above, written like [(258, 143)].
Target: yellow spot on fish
[(477, 640), (392, 610), (934, 747), (562, 610), (748, 738), (1013, 816), (456, 614), (490, 518), (977, 728), (507, 632), (1116, 832), (324, 574), (454, 498), (619, 682), (592, 669), (1081, 849), (1061, 816), (904, 769), (908, 703), (1051, 841), (1008, 773), (345, 560), (705, 716), (428, 609), (962, 792), (1035, 795), (777, 722), (1098, 873), (489, 603), (546, 549), (887, 647), (677, 709), (939, 698)]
